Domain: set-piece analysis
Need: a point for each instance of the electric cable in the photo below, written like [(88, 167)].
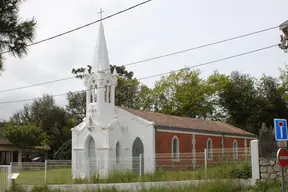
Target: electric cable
[(159, 74)]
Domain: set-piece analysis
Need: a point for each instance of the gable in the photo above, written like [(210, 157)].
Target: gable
[(188, 124)]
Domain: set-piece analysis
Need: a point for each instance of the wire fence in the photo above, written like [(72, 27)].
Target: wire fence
[(4, 177), (208, 164)]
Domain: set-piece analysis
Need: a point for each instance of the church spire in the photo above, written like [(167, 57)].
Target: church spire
[(101, 58)]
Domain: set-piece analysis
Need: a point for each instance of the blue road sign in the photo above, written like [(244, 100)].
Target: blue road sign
[(281, 133)]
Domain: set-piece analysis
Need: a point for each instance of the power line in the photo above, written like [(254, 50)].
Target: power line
[(28, 86), (83, 26), (160, 74), (152, 58), (206, 45)]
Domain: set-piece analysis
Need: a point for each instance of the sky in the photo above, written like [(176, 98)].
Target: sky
[(156, 28)]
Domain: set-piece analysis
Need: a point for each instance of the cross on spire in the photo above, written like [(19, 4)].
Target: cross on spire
[(101, 11)]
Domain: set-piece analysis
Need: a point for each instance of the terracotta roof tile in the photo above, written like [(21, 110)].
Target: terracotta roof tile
[(4, 142), (186, 122)]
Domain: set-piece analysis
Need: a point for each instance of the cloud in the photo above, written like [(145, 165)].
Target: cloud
[(154, 29)]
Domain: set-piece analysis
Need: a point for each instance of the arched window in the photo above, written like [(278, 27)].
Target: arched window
[(91, 94), (175, 148), (235, 149), (209, 149), (105, 93), (117, 152), (95, 93), (109, 94)]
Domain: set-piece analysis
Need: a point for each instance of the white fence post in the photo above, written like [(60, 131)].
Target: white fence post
[(255, 160), (205, 162), (140, 165), (45, 176), (9, 172)]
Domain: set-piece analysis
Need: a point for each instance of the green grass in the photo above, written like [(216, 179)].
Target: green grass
[(3, 181), (64, 176)]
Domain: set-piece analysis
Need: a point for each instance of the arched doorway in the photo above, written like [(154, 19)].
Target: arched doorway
[(91, 157), (137, 149)]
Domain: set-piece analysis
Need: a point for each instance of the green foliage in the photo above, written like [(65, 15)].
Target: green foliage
[(184, 93), (267, 186), (244, 172), (52, 119), (238, 99), (25, 136), (15, 188), (77, 105), (121, 71), (64, 152), (14, 33)]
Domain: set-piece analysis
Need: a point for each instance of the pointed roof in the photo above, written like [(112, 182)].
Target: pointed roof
[(101, 58)]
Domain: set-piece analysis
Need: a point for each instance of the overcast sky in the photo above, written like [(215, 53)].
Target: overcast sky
[(156, 28)]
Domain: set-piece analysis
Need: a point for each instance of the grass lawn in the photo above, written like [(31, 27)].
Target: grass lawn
[(64, 176), (3, 181), (54, 176)]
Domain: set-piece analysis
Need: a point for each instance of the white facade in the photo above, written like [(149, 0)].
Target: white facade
[(108, 130)]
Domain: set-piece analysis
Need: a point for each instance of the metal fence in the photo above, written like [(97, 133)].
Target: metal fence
[(208, 164), (4, 177)]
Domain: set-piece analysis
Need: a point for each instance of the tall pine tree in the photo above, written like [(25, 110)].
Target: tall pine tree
[(14, 33)]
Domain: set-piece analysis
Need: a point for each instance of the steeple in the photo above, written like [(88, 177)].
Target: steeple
[(101, 58), (100, 84)]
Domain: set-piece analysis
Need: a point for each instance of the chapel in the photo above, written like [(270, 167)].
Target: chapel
[(115, 138)]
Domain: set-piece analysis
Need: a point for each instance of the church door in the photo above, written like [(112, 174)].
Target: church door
[(137, 149), (92, 157)]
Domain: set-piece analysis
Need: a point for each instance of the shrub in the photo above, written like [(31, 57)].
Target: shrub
[(64, 152), (244, 172)]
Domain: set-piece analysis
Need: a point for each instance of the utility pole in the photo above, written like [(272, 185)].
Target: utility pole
[(284, 37)]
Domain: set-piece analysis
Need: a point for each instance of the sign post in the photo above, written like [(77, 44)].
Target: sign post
[(281, 136), (280, 126), (282, 156)]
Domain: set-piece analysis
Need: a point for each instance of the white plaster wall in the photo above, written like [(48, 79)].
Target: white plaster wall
[(73, 155), (135, 127), (125, 130), (80, 160), (116, 134)]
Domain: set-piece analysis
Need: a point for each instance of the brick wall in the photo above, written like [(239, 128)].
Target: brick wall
[(190, 158)]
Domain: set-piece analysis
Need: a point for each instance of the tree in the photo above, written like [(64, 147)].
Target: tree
[(216, 84), (77, 105), (121, 70), (52, 119), (64, 152), (274, 104), (25, 136), (182, 93), (240, 99), (14, 34)]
